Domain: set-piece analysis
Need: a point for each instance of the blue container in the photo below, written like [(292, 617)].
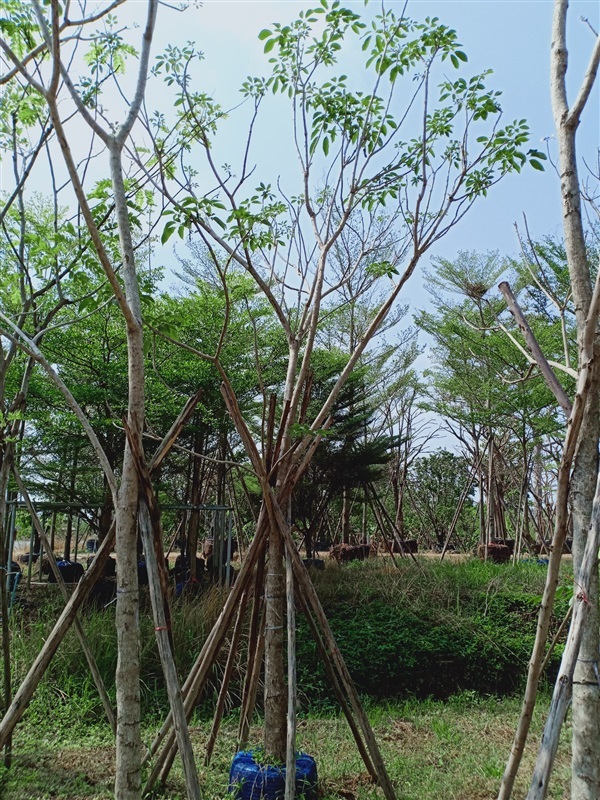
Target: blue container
[(251, 781)]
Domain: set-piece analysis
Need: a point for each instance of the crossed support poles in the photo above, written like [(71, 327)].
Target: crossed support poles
[(250, 584), (248, 590)]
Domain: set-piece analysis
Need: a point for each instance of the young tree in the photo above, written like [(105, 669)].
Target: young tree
[(423, 169), (581, 453), (47, 34)]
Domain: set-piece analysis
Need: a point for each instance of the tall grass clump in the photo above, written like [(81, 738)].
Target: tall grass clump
[(67, 683)]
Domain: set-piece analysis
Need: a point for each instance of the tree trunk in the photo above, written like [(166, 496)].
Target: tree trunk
[(69, 531), (586, 698), (5, 558), (275, 727), (346, 516), (585, 779), (192, 542), (128, 781)]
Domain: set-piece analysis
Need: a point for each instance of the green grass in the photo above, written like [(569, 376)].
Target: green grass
[(452, 750), (457, 631), (431, 628)]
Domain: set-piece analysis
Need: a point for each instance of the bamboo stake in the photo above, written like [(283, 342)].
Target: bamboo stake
[(30, 683), (331, 674), (108, 710), (235, 640), (5, 561), (290, 758), (346, 681), (252, 685), (162, 631), (165, 758), (379, 521), (203, 664), (556, 637), (564, 681), (254, 653), (384, 516), (536, 351), (461, 501), (173, 433), (36, 672)]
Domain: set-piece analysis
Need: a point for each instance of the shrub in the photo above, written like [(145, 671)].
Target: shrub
[(429, 629)]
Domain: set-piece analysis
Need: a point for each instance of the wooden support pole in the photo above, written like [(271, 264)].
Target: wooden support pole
[(564, 680), (255, 660), (461, 501), (203, 664), (384, 516), (536, 351), (337, 688), (383, 778), (163, 640), (378, 520), (36, 672), (254, 653), (89, 656), (290, 757), (218, 716)]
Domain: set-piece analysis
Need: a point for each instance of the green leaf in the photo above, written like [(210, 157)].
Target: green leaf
[(264, 34), (168, 232), (536, 165), (270, 45)]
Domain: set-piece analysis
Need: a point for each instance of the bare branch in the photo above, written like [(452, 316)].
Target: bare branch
[(28, 346), (540, 359), (586, 86)]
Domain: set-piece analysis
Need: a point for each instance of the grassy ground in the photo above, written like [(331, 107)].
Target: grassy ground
[(434, 751), (425, 629)]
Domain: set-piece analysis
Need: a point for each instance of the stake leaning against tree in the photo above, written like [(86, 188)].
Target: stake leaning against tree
[(583, 450), (36, 672)]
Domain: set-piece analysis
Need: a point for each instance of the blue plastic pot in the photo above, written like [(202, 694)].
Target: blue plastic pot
[(249, 780)]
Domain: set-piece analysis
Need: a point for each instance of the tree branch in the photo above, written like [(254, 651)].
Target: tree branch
[(548, 374), (586, 86), (24, 343)]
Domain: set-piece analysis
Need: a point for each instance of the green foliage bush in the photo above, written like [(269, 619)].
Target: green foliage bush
[(436, 630), (426, 630)]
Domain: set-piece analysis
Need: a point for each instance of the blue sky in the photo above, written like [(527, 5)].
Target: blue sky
[(512, 37)]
